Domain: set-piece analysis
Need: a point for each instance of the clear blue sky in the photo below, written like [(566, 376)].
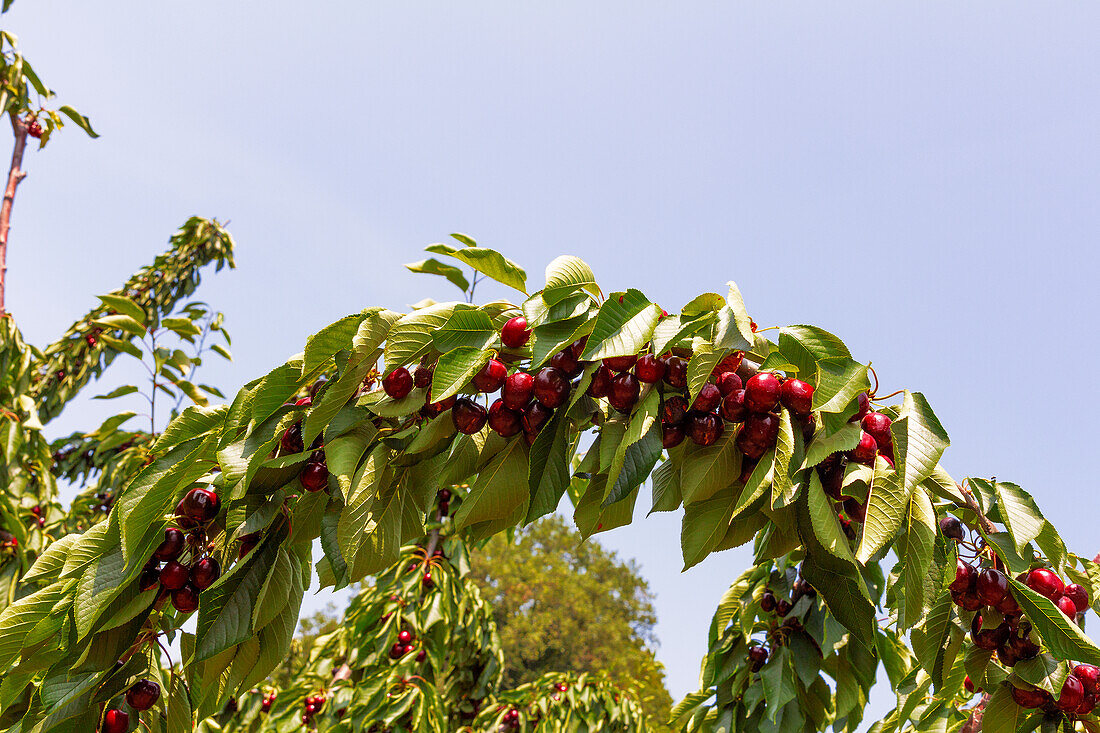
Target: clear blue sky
[(921, 179)]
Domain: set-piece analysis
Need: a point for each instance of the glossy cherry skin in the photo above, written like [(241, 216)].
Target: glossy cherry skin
[(491, 377), (172, 546), (143, 694), (965, 576), (1029, 698), (503, 420), (551, 387), (761, 429), (517, 390), (1090, 677), (877, 425), (535, 417), (468, 416), (115, 721), (314, 476), (398, 383), (205, 572), (174, 575), (397, 650), (753, 449), (1067, 606), (671, 436), (432, 410), (600, 385), (1078, 595), (186, 599), (988, 639), (291, 442), (708, 398), (624, 392), (1073, 694), (650, 369), (762, 392), (200, 505), (566, 360), (620, 363), (952, 528), (758, 656), (864, 403), (968, 685), (865, 451), (404, 636), (515, 333), (1044, 582), (728, 383), (676, 371), (150, 578), (674, 410), (767, 602), (1007, 605), (422, 376), (797, 396), (991, 586), (733, 407), (705, 428)]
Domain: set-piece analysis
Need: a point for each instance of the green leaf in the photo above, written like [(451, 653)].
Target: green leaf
[(182, 327), (777, 677), (275, 590), (887, 505), (565, 275), (704, 525), (118, 392), (432, 266), (1062, 637), (20, 618), (1020, 513), (783, 487), (80, 120), (125, 306), (704, 358), (548, 470), (321, 346), (121, 345), (465, 328), (123, 323), (276, 389), (455, 369), (1002, 714), (674, 329), (622, 328), (191, 423), (823, 446), (916, 586), (49, 564), (496, 492), (819, 525), (705, 471), (666, 484), (919, 440), (487, 262), (734, 329), (818, 343), (411, 336), (1043, 671), (838, 382)]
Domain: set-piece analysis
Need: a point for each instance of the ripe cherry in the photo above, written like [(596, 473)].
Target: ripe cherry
[(761, 429), (115, 721), (991, 586), (674, 410), (186, 599), (566, 360), (143, 694), (767, 602), (291, 442), (728, 383), (398, 383), (733, 407), (534, 417), (314, 476), (1044, 582), (551, 387), (708, 399), (753, 449), (620, 363), (968, 685), (172, 546), (676, 371), (952, 528), (762, 392), (671, 436), (205, 572), (1073, 694), (150, 578), (783, 607), (174, 575), (1078, 595), (797, 396), (705, 428), (248, 543), (965, 576), (1031, 698), (517, 390), (864, 406), (422, 376), (1090, 677), (421, 655), (428, 582), (304, 401), (650, 369), (404, 636), (988, 639), (600, 385), (515, 333), (503, 420), (624, 392), (432, 410), (877, 425), (201, 505), (442, 495), (468, 416), (1008, 605), (397, 650), (758, 656), (491, 377), (1067, 606), (865, 451)]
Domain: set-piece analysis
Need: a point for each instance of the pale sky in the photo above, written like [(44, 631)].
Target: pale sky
[(919, 178)]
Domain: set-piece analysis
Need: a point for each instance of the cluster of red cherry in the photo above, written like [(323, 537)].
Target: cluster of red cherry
[(405, 643), (313, 704), (268, 700), (314, 474), (510, 719), (141, 696), (34, 127), (176, 577)]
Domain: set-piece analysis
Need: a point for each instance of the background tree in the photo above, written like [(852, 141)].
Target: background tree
[(565, 605)]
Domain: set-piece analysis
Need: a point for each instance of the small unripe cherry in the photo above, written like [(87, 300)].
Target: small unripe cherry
[(728, 382), (515, 333), (491, 377), (877, 425), (762, 392), (797, 396), (676, 371), (624, 392), (650, 369), (620, 363), (398, 383), (517, 390)]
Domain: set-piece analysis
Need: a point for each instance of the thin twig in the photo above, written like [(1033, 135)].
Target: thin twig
[(15, 175), (973, 505)]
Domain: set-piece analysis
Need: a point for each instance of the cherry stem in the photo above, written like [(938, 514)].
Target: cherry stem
[(973, 505), (875, 375), (886, 397)]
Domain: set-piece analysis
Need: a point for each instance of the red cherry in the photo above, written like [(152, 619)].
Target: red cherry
[(991, 586), (761, 429), (186, 599), (397, 650), (115, 721), (1008, 605), (291, 442), (422, 376), (398, 383), (674, 410), (1073, 694), (624, 392), (620, 363), (988, 639), (248, 544), (650, 369), (1029, 698), (551, 387), (468, 416), (404, 636), (1044, 582), (671, 436), (676, 371), (505, 421), (733, 407), (491, 377), (432, 410), (314, 476), (420, 657), (708, 399), (566, 360), (174, 575), (705, 428), (864, 406), (172, 546), (150, 578), (1087, 706), (797, 396), (1078, 595), (865, 451), (1090, 677), (200, 505), (965, 576), (1067, 606), (205, 572), (753, 449), (968, 685), (428, 583), (517, 390), (877, 425), (143, 694), (600, 385), (728, 383), (303, 402), (535, 417), (758, 656), (762, 392), (515, 333)]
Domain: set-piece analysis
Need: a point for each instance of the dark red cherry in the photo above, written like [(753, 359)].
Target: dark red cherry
[(517, 390), (491, 377), (1078, 595), (1067, 606), (248, 543), (864, 403), (877, 425), (674, 410), (432, 410), (991, 587), (624, 392), (397, 650), (291, 442), (1044, 582), (758, 657), (1008, 605), (728, 383), (421, 655), (968, 685), (671, 435), (515, 333), (143, 694), (733, 407), (535, 417), (566, 360), (865, 451), (551, 387), (708, 399), (427, 581), (797, 396), (988, 639), (150, 578), (422, 376), (314, 476), (1073, 694), (753, 449), (1090, 677), (172, 546), (650, 369), (186, 599), (600, 385), (952, 528), (205, 572), (762, 392), (503, 420), (115, 721), (767, 602), (468, 416), (783, 607), (199, 505), (761, 429), (174, 575), (705, 428), (398, 383), (1029, 698), (965, 576), (676, 371), (620, 363)]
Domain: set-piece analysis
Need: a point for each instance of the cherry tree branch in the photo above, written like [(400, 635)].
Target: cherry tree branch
[(974, 723), (15, 175)]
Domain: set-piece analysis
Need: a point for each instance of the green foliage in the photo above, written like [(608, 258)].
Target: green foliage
[(557, 702)]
